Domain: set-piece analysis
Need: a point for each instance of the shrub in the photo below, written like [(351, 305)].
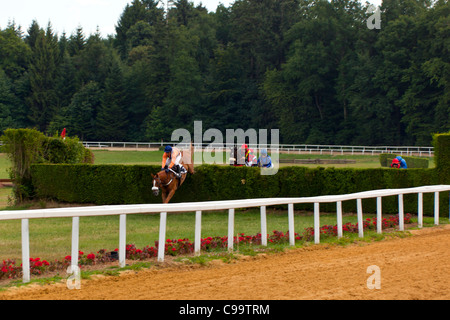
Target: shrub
[(25, 147)]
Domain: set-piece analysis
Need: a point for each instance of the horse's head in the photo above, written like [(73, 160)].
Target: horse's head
[(156, 184), (161, 179)]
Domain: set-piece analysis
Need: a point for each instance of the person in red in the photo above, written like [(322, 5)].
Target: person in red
[(171, 161), (243, 153), (63, 134), (395, 163)]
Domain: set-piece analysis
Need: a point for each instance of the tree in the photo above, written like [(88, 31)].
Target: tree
[(112, 118), (43, 72)]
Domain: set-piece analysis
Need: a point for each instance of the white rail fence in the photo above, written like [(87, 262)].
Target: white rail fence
[(295, 148), (230, 205)]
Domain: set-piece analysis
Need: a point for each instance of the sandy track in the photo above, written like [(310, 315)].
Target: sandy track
[(415, 267)]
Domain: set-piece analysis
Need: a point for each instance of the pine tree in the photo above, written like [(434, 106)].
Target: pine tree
[(112, 118)]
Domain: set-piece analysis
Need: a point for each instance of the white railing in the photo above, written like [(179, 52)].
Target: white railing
[(231, 205), (295, 148)]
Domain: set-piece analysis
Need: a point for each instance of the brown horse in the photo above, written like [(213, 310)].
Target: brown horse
[(168, 181)]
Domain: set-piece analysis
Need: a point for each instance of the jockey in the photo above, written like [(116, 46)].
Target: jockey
[(171, 160), (251, 158), (243, 153), (264, 160), (395, 163), (402, 162)]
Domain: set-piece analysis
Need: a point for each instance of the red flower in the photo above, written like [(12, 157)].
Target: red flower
[(90, 256)]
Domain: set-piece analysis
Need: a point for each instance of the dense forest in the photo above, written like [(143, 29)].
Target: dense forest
[(310, 68)]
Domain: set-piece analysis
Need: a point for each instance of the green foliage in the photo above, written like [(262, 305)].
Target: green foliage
[(441, 144), (122, 184), (312, 69), (25, 147)]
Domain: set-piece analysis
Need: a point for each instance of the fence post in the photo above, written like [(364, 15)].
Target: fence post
[(339, 217), (263, 226), (25, 251), (316, 222), (230, 229), (436, 208), (75, 240), (379, 215), (162, 236), (122, 239), (420, 210), (401, 219), (291, 224), (360, 218), (198, 232)]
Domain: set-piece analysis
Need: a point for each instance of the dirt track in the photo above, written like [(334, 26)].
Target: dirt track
[(415, 267)]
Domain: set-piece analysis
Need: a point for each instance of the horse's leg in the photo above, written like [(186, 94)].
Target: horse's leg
[(163, 196), (170, 195)]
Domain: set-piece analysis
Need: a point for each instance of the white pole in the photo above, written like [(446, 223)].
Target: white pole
[(291, 224), (360, 218), (379, 215), (75, 240), (230, 229), (198, 232), (316, 223), (162, 236), (401, 219), (122, 239), (420, 210), (436, 208), (263, 226), (339, 218), (25, 251)]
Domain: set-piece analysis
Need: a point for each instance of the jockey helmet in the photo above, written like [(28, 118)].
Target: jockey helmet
[(264, 152), (244, 146), (168, 149)]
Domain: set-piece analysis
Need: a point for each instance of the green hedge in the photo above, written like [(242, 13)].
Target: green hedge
[(411, 162), (129, 184), (441, 143)]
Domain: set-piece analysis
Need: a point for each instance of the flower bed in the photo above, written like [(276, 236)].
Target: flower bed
[(174, 247)]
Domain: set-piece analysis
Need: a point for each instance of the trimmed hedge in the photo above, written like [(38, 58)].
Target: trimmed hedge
[(441, 143), (411, 162), (131, 184)]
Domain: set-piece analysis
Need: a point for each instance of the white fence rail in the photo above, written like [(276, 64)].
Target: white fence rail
[(295, 148), (231, 205)]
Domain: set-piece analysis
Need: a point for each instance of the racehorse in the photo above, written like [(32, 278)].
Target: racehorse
[(168, 181)]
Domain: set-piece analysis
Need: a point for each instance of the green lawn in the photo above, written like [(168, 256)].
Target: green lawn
[(5, 164), (51, 238)]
